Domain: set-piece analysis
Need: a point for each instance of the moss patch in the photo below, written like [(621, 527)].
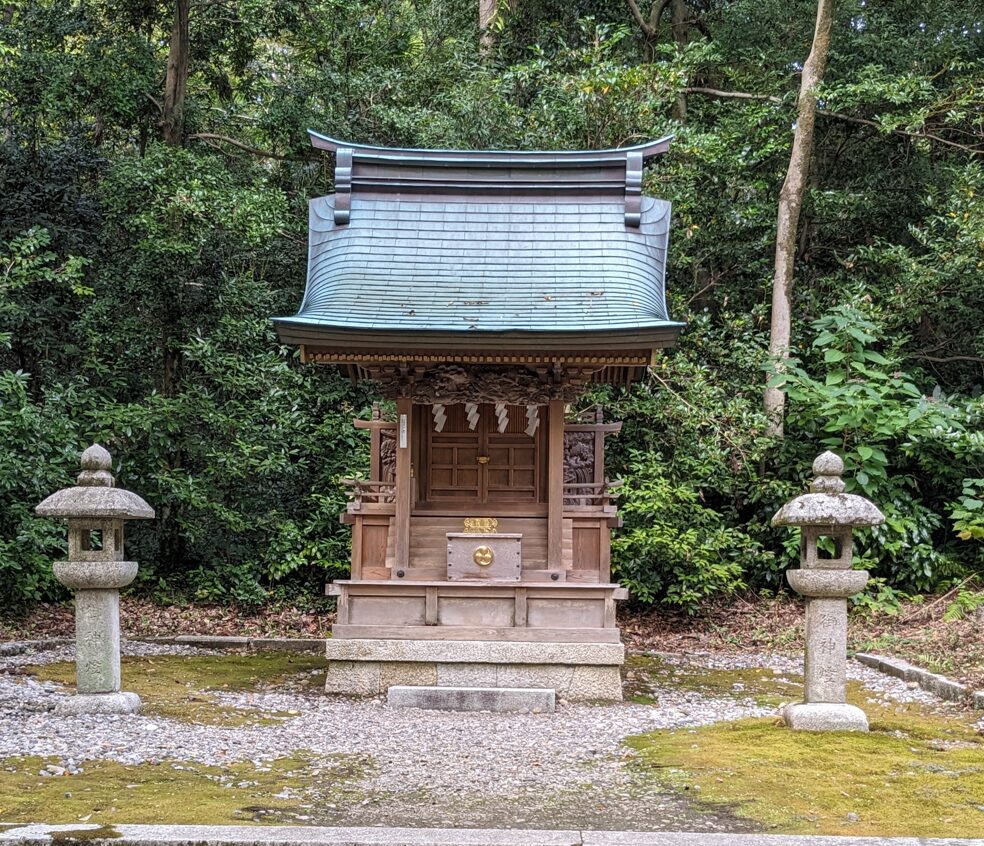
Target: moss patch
[(177, 686), (646, 674), (915, 774), (108, 793)]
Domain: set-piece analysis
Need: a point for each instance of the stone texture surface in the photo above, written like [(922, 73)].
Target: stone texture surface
[(575, 683), (467, 675), (825, 663), (555, 676), (827, 584), (353, 678), (406, 673), (120, 702), (97, 641), (93, 575), (825, 716), (933, 682), (500, 700), (213, 641), (40, 834), (595, 683), (288, 644), (828, 509), (475, 652)]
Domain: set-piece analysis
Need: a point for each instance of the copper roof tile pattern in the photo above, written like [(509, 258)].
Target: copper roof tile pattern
[(464, 243)]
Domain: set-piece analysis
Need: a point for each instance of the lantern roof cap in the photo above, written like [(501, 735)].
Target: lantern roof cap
[(95, 494), (827, 504)]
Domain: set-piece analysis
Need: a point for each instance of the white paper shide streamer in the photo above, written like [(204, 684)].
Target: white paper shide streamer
[(440, 416), (532, 419), (471, 412), (502, 416)]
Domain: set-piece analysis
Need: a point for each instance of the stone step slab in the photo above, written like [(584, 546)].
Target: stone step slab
[(500, 700)]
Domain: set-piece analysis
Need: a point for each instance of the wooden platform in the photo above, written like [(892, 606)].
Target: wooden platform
[(507, 611)]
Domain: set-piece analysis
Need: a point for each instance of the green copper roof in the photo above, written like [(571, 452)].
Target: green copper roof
[(472, 243)]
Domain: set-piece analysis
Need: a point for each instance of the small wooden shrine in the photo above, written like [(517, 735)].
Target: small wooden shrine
[(483, 293)]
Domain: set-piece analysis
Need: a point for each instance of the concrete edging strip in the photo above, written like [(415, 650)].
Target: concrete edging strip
[(246, 835), (933, 683)]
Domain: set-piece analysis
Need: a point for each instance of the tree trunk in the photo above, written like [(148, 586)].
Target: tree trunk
[(487, 10), (790, 203), (681, 35), (176, 82)]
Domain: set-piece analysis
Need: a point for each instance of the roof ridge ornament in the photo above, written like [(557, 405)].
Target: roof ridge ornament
[(633, 189), (343, 185)]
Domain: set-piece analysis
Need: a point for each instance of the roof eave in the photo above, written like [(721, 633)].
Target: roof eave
[(294, 331), (611, 154)]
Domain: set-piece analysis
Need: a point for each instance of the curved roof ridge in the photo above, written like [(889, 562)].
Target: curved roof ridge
[(646, 149)]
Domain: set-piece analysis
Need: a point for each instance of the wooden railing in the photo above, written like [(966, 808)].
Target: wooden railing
[(592, 494), (366, 492)]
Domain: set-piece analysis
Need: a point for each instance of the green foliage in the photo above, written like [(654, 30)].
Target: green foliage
[(967, 512), (137, 279), (967, 602), (879, 597), (898, 444), (676, 549)]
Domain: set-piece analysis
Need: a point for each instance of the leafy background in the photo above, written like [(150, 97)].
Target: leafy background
[(137, 277)]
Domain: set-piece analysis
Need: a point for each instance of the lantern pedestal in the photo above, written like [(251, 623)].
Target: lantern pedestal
[(825, 716), (97, 635), (121, 702), (95, 510)]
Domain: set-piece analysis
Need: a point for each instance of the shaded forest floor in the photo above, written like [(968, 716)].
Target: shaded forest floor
[(917, 632)]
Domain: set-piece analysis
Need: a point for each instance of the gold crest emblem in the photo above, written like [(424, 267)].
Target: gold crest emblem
[(483, 556)]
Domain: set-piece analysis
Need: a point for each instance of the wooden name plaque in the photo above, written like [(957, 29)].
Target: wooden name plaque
[(484, 556)]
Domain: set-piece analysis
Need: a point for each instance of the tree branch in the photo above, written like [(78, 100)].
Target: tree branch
[(651, 26), (944, 359), (210, 137), (769, 98)]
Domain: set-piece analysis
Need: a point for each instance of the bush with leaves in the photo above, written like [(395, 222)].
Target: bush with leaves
[(898, 443)]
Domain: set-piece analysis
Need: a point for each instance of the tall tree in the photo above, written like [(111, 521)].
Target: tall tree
[(790, 203), (176, 80)]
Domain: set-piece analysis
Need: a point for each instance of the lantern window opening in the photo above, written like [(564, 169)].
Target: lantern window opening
[(92, 540)]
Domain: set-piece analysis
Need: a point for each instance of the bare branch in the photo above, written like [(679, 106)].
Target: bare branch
[(210, 137), (944, 359)]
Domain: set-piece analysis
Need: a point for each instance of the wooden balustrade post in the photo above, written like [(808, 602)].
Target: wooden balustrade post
[(404, 484), (555, 486)]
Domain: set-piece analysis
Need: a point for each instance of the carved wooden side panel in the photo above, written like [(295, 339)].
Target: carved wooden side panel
[(387, 455), (579, 457)]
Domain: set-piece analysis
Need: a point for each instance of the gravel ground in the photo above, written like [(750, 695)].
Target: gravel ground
[(421, 767)]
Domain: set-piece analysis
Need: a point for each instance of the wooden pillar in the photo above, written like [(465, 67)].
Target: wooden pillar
[(555, 486), (404, 484)]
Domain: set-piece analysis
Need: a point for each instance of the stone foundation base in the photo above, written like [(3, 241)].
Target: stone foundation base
[(576, 671), (825, 716), (120, 702)]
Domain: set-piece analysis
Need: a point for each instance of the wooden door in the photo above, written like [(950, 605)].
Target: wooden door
[(482, 465)]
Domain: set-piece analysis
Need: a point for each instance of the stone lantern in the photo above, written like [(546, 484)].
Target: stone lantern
[(827, 581), (95, 570)]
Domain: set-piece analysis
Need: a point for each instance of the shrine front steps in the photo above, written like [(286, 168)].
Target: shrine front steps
[(576, 672), (498, 700)]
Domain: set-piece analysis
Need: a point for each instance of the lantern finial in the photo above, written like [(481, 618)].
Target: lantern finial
[(828, 466), (96, 464)]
